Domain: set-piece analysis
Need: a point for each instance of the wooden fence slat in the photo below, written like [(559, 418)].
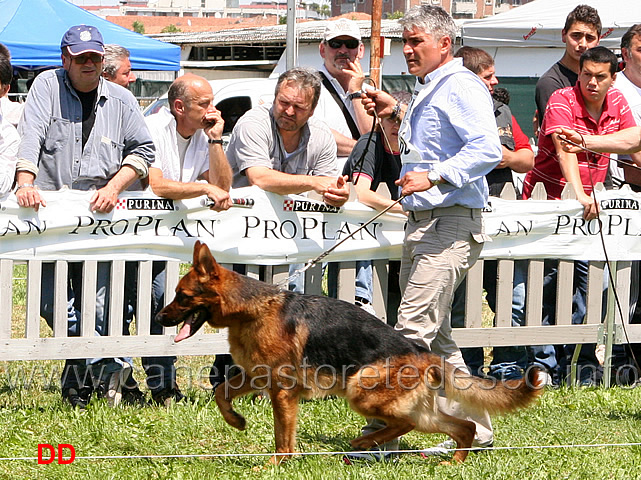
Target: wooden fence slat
[(143, 310), (380, 280), (564, 292), (172, 275), (6, 297), (474, 298), (60, 317), (594, 296), (34, 287), (88, 301), (346, 281), (534, 293), (622, 278), (504, 289), (116, 298)]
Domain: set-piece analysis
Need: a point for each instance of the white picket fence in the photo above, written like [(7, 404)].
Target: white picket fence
[(25, 336)]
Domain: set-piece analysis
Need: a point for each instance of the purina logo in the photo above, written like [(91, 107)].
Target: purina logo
[(145, 204), (305, 206), (620, 204)]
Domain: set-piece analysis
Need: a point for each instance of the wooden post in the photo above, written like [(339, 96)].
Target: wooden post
[(375, 44)]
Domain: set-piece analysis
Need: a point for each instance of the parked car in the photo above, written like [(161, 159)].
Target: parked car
[(233, 97)]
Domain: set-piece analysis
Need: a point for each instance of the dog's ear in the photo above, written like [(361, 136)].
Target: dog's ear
[(204, 262)]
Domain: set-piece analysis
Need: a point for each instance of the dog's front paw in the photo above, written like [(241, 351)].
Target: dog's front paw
[(361, 443)]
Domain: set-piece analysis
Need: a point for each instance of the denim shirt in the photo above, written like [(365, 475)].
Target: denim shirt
[(51, 130), (450, 128)]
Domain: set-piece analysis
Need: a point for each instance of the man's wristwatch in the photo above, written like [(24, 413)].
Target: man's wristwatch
[(434, 177), (218, 141), (355, 95)]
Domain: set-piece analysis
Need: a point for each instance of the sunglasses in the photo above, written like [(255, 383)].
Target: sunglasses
[(349, 43), (82, 59)]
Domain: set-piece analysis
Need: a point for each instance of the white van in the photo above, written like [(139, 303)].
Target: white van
[(233, 97)]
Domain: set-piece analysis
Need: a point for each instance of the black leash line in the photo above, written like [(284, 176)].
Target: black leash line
[(625, 162), (312, 262), (605, 251)]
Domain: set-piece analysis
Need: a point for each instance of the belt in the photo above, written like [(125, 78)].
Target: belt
[(454, 211)]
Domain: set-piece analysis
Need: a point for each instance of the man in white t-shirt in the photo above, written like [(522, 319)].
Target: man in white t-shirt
[(628, 82), (190, 162)]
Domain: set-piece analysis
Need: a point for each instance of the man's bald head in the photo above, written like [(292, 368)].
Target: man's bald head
[(185, 88)]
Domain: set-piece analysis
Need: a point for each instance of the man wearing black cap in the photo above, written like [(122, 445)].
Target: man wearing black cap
[(81, 132)]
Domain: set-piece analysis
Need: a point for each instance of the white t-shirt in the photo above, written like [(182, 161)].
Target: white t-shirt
[(632, 94), (162, 126), (9, 142)]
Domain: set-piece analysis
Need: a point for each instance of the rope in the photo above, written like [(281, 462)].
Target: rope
[(577, 348), (334, 453)]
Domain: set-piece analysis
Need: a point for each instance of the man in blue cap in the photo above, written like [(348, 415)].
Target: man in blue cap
[(81, 132)]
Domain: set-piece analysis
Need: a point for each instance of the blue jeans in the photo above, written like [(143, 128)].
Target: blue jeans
[(76, 374), (364, 285), (556, 358), (507, 362), (161, 371)]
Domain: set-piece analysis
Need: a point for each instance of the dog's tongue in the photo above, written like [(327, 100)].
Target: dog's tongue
[(185, 331)]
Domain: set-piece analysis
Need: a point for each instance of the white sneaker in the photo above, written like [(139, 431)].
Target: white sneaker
[(546, 378), (366, 306), (446, 449), (443, 449)]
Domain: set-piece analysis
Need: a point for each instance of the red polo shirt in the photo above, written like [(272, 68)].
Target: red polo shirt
[(567, 109)]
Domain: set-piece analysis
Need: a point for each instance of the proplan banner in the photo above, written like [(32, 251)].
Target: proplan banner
[(287, 229)]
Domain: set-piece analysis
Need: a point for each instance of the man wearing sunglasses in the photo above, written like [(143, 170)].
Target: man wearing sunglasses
[(339, 105), (81, 132)]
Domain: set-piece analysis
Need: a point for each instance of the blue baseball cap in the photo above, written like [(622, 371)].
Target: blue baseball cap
[(81, 39)]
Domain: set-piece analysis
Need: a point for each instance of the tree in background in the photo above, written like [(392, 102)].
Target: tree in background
[(138, 27), (171, 28)]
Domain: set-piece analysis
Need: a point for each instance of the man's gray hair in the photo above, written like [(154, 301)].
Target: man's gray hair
[(114, 54), (432, 20), (303, 78)]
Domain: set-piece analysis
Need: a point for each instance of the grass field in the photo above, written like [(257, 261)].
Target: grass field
[(33, 413)]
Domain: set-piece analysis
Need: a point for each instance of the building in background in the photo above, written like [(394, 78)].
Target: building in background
[(456, 8)]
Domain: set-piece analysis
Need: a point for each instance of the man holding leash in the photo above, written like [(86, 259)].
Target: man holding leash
[(70, 139), (449, 142)]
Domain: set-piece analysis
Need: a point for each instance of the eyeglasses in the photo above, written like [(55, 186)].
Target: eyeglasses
[(349, 43), (82, 59)]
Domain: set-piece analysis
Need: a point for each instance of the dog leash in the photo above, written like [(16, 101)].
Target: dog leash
[(627, 163), (312, 262)]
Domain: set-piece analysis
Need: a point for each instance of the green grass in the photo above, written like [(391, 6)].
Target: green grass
[(35, 414), (31, 412)]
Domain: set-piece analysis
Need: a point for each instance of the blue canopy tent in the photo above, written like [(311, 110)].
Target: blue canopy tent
[(32, 30)]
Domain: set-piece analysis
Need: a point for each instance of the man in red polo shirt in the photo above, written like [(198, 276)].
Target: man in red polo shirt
[(591, 107)]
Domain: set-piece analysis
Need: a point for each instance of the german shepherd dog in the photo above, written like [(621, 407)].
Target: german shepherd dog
[(295, 345)]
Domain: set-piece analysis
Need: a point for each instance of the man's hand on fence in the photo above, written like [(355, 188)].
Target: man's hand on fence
[(30, 197)]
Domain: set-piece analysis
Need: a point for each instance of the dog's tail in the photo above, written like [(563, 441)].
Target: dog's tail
[(483, 394)]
